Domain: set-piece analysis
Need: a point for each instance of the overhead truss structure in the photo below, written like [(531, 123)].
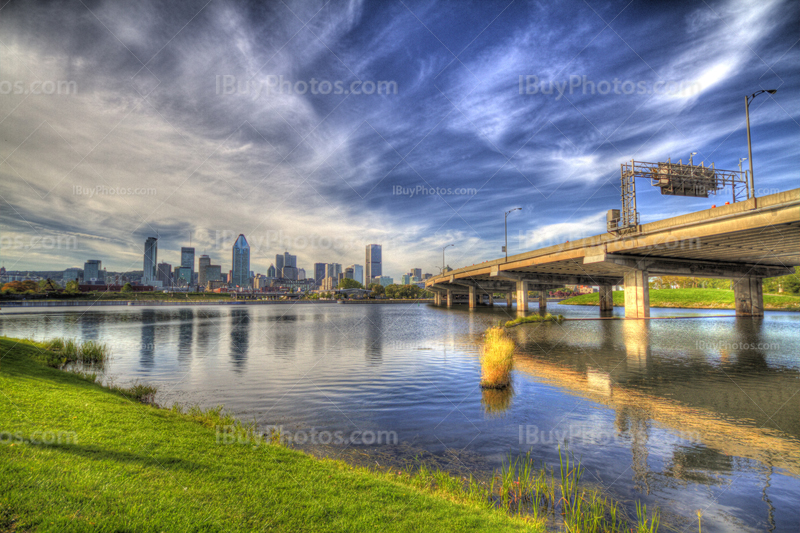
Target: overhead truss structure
[(674, 179)]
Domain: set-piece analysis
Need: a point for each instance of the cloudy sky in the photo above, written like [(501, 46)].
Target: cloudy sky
[(200, 121)]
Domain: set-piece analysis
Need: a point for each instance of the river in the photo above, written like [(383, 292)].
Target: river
[(686, 414)]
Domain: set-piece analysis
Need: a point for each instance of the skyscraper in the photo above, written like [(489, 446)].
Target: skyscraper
[(289, 266), (149, 273), (241, 263), (416, 273), (358, 273), (202, 265), (93, 271), (319, 273), (165, 274), (332, 270), (187, 261), (373, 263), (301, 273), (271, 272), (279, 265)]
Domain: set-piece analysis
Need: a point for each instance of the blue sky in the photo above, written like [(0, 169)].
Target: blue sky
[(177, 123)]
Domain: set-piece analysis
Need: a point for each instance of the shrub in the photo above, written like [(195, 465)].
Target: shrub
[(497, 359)]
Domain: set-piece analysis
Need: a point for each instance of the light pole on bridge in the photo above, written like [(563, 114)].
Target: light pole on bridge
[(747, 100), (505, 225), (443, 249)]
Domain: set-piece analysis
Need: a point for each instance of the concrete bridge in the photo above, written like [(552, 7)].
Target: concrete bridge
[(745, 242)]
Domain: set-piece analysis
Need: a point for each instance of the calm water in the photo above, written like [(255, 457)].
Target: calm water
[(696, 413)]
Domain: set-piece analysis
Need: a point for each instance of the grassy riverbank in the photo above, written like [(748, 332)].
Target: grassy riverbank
[(76, 456), (692, 299)]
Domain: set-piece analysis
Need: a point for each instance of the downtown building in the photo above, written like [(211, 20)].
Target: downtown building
[(372, 268), (240, 271), (149, 270)]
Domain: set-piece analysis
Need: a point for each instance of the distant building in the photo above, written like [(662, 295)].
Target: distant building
[(289, 270), (319, 273), (416, 273), (332, 270), (213, 273), (358, 273), (93, 272), (372, 267), (202, 264), (149, 274), (329, 283), (279, 266), (383, 280), (271, 273), (187, 261), (164, 274), (241, 263), (427, 276), (406, 279), (183, 276), (301, 273)]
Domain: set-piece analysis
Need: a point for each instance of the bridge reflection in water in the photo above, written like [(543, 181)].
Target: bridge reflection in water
[(730, 399)]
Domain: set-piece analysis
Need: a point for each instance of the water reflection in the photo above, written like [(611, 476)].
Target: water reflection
[(240, 337), (147, 344), (373, 337), (185, 335), (496, 401)]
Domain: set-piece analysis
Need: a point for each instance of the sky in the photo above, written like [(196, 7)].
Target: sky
[(318, 128)]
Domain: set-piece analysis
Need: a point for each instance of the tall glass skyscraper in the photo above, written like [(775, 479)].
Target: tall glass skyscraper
[(149, 272), (373, 263), (187, 261), (319, 273), (240, 273)]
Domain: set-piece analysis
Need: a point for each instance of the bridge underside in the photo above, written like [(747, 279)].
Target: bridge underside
[(744, 242)]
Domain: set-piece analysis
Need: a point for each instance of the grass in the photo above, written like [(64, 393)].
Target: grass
[(59, 352), (542, 495), (692, 299), (497, 359), (76, 456), (534, 319)]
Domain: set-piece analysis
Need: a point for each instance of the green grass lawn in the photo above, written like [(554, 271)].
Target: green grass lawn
[(692, 299), (75, 456)]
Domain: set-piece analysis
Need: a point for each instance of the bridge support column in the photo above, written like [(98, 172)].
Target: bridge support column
[(473, 297), (437, 298), (749, 296), (637, 294), (509, 299), (542, 300), (449, 298), (606, 298), (522, 296), (491, 299)]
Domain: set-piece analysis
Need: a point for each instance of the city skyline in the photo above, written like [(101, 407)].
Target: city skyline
[(478, 125)]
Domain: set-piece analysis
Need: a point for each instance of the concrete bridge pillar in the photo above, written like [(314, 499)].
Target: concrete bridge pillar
[(522, 296), (449, 298), (542, 300), (437, 298), (509, 299), (606, 298), (473, 297), (749, 296), (637, 294), (491, 299)]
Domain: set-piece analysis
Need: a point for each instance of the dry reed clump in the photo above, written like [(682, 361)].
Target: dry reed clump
[(497, 359)]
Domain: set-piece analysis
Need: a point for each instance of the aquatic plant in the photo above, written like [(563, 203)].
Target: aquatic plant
[(497, 359), (535, 319)]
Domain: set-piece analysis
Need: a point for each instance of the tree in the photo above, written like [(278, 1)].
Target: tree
[(72, 287), (377, 289), (48, 285), (129, 288), (348, 283), (20, 287)]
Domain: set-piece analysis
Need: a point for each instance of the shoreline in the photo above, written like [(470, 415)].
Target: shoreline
[(149, 303)]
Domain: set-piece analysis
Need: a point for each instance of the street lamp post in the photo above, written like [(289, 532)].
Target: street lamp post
[(505, 225), (747, 100), (443, 249), (740, 171)]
